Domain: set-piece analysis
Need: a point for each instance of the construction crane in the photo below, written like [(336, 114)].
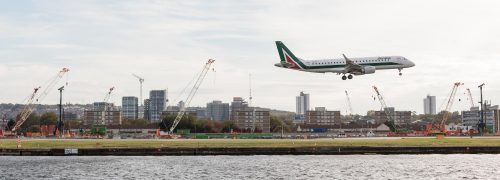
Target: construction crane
[(250, 97), (349, 103), (470, 98), (141, 80), (59, 126), (440, 128), (37, 98), (105, 103), (191, 94), (390, 120)]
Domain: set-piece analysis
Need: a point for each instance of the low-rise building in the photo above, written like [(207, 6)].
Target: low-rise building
[(244, 119), (491, 118), (322, 117), (399, 117), (238, 104), (96, 118)]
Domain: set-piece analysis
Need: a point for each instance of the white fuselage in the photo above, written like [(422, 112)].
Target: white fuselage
[(338, 65)]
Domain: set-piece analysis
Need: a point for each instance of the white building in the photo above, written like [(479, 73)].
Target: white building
[(491, 118), (302, 103), (430, 105)]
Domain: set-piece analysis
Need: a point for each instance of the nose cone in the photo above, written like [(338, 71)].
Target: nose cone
[(407, 63), (410, 64)]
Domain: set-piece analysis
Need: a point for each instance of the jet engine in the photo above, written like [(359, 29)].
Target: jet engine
[(368, 70)]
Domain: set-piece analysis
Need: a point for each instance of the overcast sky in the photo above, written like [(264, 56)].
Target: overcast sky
[(167, 42)]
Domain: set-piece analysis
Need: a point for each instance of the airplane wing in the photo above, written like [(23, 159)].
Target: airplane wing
[(351, 66)]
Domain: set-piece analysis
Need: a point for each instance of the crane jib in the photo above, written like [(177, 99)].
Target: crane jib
[(193, 91), (28, 108)]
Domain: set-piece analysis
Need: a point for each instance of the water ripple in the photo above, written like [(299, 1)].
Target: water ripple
[(412, 167)]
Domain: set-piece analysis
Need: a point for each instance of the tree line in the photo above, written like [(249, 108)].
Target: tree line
[(208, 126), (33, 122)]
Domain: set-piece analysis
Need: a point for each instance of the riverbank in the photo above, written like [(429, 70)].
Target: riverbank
[(247, 151), (246, 143), (105, 147)]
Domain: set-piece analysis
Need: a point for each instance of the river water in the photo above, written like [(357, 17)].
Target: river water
[(483, 166)]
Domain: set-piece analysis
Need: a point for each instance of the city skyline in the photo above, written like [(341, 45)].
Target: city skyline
[(167, 42)]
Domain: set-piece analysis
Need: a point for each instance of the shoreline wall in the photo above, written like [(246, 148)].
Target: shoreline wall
[(248, 151)]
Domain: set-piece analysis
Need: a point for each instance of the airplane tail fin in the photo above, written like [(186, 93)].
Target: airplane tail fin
[(288, 59)]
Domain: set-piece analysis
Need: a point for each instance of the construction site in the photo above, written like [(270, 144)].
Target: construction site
[(104, 121)]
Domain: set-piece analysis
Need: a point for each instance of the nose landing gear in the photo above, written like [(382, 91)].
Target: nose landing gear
[(400, 73)]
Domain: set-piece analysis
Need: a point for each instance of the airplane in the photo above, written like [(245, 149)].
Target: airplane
[(345, 66)]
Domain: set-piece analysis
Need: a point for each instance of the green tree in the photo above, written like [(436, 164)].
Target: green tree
[(455, 117), (33, 119), (277, 123), (34, 128), (230, 125), (73, 123), (48, 118), (205, 126), (10, 124), (440, 116), (187, 122)]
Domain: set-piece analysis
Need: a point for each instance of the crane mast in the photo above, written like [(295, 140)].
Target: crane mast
[(349, 103), (250, 99), (37, 98), (470, 98), (105, 108), (449, 104), (141, 80), (191, 94), (390, 120)]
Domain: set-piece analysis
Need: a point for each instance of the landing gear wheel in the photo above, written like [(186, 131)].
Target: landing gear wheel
[(344, 77), (349, 77), (400, 73)]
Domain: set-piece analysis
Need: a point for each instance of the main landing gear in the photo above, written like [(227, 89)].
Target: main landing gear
[(400, 73), (344, 77)]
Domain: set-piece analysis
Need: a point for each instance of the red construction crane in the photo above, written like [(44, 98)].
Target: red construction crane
[(33, 98), (439, 127)]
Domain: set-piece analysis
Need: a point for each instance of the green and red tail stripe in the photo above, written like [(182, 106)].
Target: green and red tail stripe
[(288, 57)]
